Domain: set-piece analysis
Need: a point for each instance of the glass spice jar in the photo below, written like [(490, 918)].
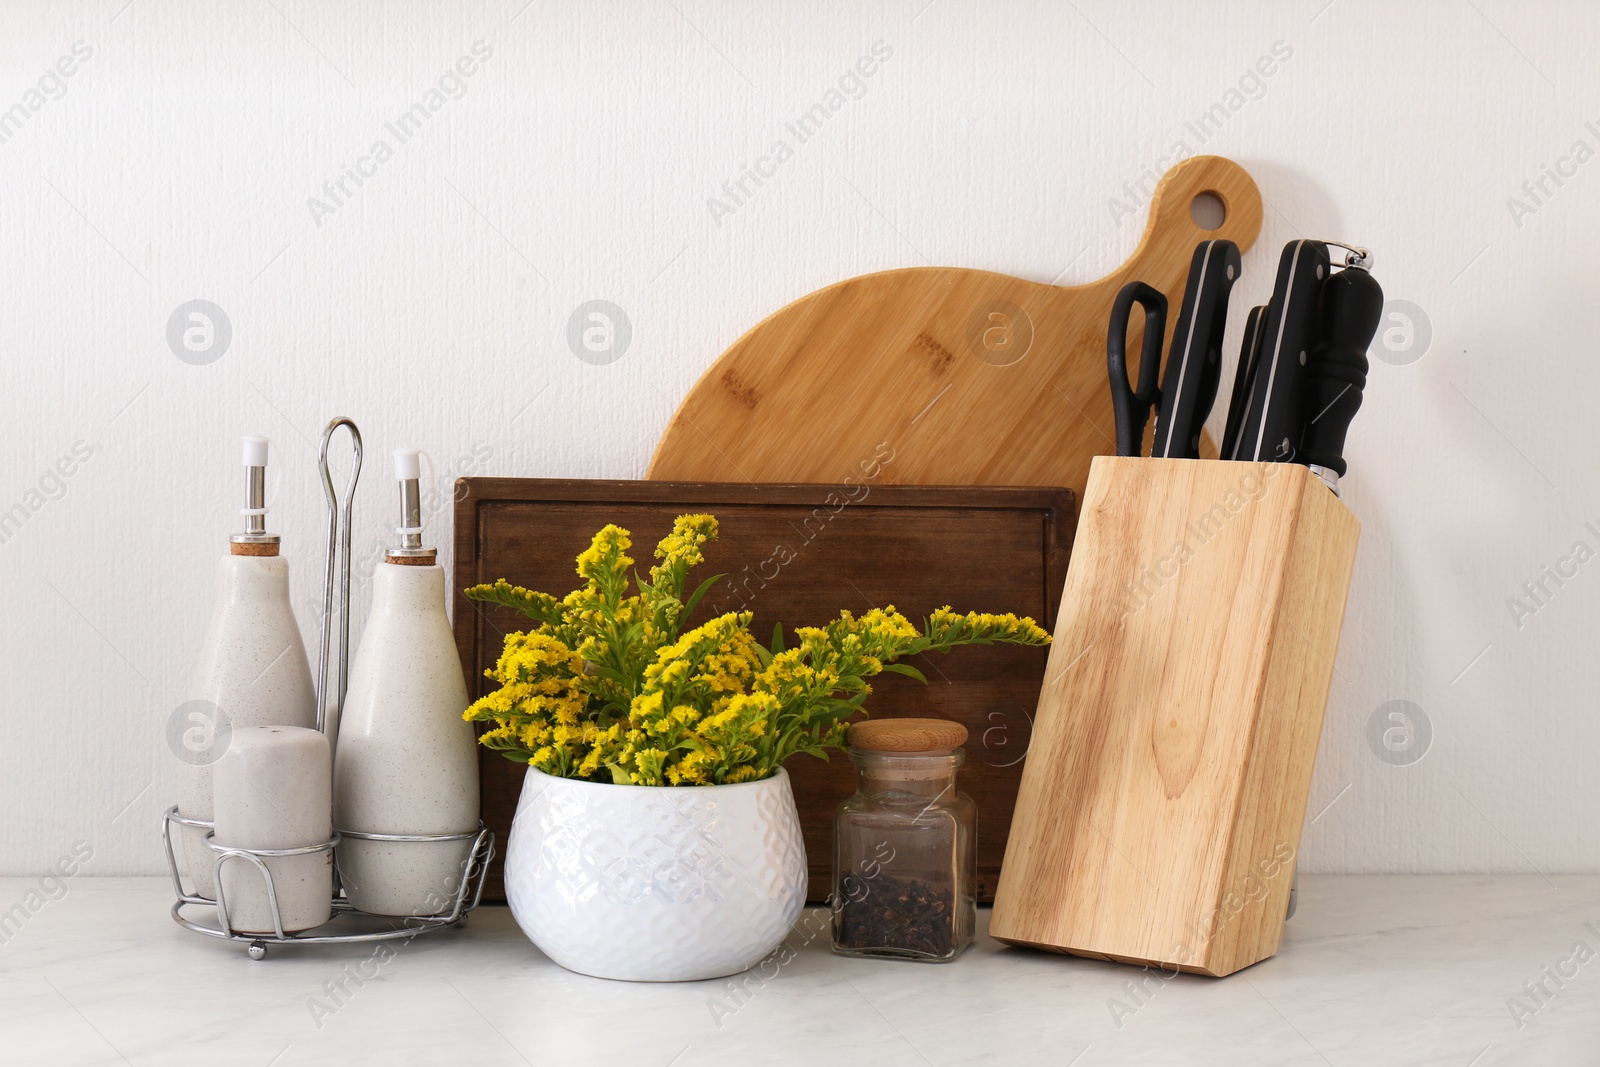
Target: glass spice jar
[(903, 871)]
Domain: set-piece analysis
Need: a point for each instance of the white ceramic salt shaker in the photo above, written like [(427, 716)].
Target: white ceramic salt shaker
[(273, 789), (251, 669), (406, 762)]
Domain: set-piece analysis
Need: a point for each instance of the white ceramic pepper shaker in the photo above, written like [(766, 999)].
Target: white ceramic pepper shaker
[(274, 790), (251, 669), (406, 762)]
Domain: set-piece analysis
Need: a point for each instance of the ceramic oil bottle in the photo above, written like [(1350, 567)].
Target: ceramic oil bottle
[(251, 669), (405, 763)]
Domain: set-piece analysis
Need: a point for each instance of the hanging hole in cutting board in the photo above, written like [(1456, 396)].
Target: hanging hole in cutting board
[(1208, 211)]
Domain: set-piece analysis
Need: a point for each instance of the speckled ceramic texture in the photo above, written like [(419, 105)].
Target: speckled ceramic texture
[(655, 884), (252, 665), (274, 789), (406, 762)]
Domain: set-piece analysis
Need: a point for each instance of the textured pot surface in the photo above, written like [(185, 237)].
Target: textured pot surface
[(650, 884)]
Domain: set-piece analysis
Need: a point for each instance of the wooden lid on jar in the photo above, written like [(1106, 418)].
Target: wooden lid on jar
[(907, 735)]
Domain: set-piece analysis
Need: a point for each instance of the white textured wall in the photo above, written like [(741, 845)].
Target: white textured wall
[(578, 164)]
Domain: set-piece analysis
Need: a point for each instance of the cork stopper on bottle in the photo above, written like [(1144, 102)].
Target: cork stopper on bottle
[(907, 736)]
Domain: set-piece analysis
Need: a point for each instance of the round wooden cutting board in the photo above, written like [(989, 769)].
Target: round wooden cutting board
[(939, 375)]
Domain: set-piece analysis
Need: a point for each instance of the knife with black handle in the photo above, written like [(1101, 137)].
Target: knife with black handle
[(1276, 416), (1243, 379), (1348, 311), (1194, 364)]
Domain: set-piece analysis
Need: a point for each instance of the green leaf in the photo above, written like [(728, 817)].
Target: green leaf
[(704, 587), (777, 638), (516, 755), (907, 670)]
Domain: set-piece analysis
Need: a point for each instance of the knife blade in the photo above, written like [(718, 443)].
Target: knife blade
[(1244, 377), (1194, 365)]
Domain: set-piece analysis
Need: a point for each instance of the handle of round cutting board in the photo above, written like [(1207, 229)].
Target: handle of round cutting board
[(1172, 231)]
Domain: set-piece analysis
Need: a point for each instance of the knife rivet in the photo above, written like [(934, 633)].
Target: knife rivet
[(1319, 271), (1229, 272), (1302, 359)]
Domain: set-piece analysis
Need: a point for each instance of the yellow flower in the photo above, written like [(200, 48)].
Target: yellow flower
[(979, 627), (646, 707), (693, 767), (608, 684), (649, 761), (682, 546), (604, 560), (889, 625)]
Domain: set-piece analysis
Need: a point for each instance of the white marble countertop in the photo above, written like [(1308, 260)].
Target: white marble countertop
[(1373, 970)]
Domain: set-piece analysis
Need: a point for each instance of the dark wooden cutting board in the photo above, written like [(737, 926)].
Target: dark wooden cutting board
[(854, 545)]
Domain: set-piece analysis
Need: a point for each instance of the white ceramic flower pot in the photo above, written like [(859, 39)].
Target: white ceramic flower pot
[(655, 884)]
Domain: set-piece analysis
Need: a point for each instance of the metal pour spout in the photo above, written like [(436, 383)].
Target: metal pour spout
[(255, 541), (408, 472)]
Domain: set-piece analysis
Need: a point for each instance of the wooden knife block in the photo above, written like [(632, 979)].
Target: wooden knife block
[(1162, 800)]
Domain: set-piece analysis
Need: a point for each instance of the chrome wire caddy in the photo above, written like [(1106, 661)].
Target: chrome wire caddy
[(468, 891), (467, 895)]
